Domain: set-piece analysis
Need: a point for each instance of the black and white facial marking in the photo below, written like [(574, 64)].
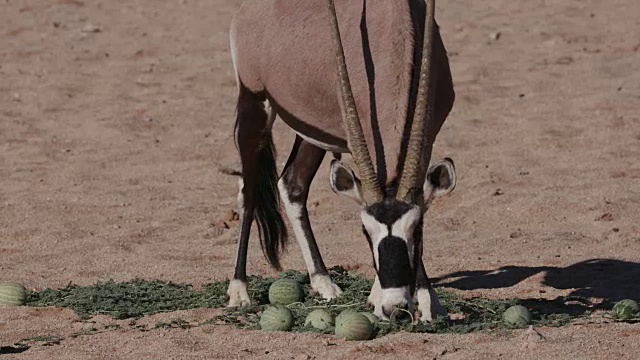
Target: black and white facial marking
[(394, 232)]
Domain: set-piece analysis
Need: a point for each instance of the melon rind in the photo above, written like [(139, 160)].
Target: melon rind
[(517, 315), (276, 318), (320, 319), (626, 309), (343, 315), (285, 292), (374, 319), (354, 326), (12, 294)]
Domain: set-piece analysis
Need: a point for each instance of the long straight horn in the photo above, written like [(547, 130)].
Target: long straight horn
[(423, 109), (355, 136)]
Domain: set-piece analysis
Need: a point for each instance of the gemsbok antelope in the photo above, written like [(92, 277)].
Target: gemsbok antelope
[(291, 61)]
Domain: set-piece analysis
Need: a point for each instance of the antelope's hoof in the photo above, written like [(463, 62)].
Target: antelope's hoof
[(238, 294), (429, 305), (323, 286)]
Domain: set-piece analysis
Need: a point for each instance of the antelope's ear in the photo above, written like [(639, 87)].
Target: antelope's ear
[(344, 182), (440, 180)]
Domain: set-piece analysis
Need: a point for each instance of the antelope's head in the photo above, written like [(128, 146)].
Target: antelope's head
[(393, 225)]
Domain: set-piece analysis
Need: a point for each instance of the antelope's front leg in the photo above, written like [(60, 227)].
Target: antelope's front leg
[(375, 298), (428, 303), (303, 163)]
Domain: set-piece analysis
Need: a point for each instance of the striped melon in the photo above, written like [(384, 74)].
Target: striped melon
[(285, 292), (320, 319), (12, 294), (344, 314), (276, 318), (517, 315), (354, 326), (374, 319), (625, 309)]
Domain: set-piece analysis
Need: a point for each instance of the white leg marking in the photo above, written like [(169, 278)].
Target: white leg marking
[(320, 284), (237, 291), (375, 298), (429, 305), (240, 198), (271, 115), (294, 211), (238, 294), (240, 214)]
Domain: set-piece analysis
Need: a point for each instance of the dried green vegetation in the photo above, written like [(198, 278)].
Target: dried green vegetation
[(131, 299), (138, 298)]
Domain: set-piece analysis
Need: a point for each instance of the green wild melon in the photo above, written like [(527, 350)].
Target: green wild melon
[(12, 294), (344, 314), (374, 319), (320, 319), (276, 318), (354, 326), (285, 292), (517, 315), (626, 309)]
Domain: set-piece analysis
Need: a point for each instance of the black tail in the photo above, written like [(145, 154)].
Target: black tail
[(260, 176), (271, 226)]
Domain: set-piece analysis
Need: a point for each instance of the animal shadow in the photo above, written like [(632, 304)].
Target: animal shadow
[(607, 279), (5, 350)]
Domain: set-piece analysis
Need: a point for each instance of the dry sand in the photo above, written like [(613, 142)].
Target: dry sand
[(115, 115)]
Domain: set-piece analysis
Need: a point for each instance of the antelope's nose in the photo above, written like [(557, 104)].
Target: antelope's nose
[(399, 312)]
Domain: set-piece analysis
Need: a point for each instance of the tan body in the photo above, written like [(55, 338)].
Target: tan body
[(284, 47)]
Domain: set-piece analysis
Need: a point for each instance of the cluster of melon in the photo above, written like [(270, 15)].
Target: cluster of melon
[(520, 316), (349, 324)]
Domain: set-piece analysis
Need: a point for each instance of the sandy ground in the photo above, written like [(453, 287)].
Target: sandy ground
[(115, 115)]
